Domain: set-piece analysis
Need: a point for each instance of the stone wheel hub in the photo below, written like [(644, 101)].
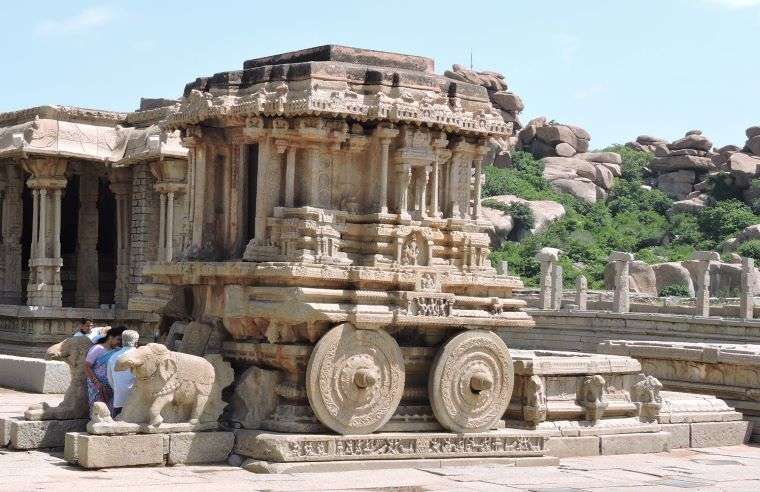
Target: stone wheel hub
[(471, 382), (355, 379)]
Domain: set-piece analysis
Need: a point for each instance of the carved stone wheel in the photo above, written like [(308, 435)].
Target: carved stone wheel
[(471, 382), (355, 379)]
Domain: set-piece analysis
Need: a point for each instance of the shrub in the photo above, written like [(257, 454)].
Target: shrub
[(521, 213), (635, 162), (721, 186), (724, 219), (750, 249), (675, 290)]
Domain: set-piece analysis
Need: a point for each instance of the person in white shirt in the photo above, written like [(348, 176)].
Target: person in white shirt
[(122, 381)]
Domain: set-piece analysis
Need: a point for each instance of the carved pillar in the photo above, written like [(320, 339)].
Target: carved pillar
[(385, 135), (47, 180), (441, 156), (558, 275), (547, 258), (198, 156), (622, 260), (420, 188), (581, 293), (290, 176), (88, 290), (702, 288), (170, 176), (11, 288), (404, 178), (747, 300), (454, 186), (121, 186), (477, 189)]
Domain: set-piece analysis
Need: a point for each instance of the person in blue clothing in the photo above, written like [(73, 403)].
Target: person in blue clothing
[(96, 367)]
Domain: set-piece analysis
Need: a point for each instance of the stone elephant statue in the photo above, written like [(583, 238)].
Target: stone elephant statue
[(170, 386), (72, 351)]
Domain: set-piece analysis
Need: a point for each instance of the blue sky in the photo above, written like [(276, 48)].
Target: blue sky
[(617, 68)]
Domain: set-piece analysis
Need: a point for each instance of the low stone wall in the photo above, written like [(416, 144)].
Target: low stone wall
[(583, 331), (28, 331), (34, 375)]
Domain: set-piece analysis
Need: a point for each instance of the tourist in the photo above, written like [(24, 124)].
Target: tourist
[(96, 367), (122, 381), (87, 329)]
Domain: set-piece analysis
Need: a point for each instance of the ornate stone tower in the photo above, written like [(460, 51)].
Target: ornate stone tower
[(336, 235)]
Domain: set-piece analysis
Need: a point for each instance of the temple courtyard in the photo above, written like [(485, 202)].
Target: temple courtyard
[(732, 468)]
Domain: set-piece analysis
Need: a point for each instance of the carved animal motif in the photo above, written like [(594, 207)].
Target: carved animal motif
[(592, 397), (164, 377), (74, 405), (535, 400), (647, 390)]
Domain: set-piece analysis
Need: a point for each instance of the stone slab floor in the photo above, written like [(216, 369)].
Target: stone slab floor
[(714, 469)]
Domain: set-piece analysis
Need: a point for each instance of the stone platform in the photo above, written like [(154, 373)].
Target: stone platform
[(729, 371), (17, 433)]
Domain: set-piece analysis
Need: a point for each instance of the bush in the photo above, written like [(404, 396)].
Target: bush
[(725, 219), (750, 249), (634, 164), (675, 290), (521, 213)]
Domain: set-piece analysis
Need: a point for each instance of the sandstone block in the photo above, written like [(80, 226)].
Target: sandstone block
[(603, 177), (753, 144), (199, 447), (649, 140), (615, 169), (753, 131), (711, 434), (35, 434), (680, 435), (582, 168), (565, 447), (91, 451), (508, 101), (34, 375), (646, 442)]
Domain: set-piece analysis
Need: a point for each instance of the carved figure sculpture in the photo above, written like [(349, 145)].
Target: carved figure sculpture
[(534, 410), (164, 377), (592, 398), (74, 405), (646, 394)]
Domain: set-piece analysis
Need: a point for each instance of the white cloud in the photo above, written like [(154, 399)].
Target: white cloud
[(90, 17), (734, 4)]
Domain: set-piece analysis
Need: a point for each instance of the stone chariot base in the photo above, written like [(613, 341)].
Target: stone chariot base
[(289, 453), (17, 433)]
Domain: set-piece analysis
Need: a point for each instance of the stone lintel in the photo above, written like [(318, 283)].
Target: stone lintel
[(346, 54)]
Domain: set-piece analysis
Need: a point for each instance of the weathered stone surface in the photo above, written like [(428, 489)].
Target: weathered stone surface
[(615, 169), (254, 398), (692, 141), (199, 447), (753, 144), (672, 273), (601, 157), (680, 435), (508, 101), (35, 434), (677, 184), (675, 163), (544, 213), (651, 442), (691, 205), (649, 140), (711, 434), (35, 375), (603, 177), (90, 451), (641, 278), (743, 166), (563, 149), (565, 447), (319, 447), (581, 188)]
